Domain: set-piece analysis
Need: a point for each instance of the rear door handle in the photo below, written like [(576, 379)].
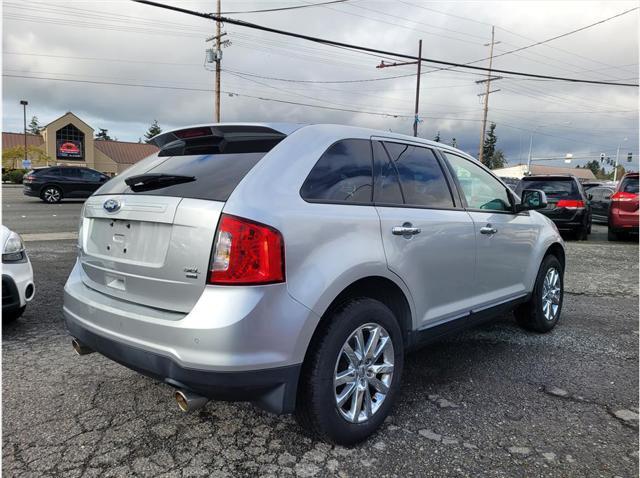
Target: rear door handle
[(406, 229), (488, 230)]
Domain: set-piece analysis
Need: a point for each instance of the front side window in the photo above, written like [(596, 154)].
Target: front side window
[(90, 175), (481, 190), (421, 179), (342, 174)]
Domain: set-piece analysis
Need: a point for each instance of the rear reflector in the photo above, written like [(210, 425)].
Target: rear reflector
[(570, 204), (246, 253), (624, 197)]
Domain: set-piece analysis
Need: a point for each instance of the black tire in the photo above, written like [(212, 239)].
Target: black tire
[(612, 235), (316, 407), (12, 315), (530, 315), (582, 233), (51, 194)]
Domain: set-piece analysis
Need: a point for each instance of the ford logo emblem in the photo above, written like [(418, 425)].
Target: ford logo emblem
[(111, 205)]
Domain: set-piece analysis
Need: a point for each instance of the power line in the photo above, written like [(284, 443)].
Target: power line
[(371, 50), (295, 7)]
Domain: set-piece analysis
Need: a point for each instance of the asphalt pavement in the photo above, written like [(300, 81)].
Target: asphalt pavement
[(493, 401)]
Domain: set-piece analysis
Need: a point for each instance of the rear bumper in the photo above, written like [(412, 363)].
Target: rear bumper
[(272, 389), (31, 190), (623, 221), (568, 219), (237, 343)]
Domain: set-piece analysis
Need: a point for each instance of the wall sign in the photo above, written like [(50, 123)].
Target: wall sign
[(69, 149)]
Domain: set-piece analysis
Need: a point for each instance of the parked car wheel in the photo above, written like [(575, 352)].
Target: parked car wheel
[(351, 377), (542, 311), (51, 194), (582, 233), (13, 315)]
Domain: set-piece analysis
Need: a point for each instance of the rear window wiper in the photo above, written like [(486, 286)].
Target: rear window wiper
[(149, 181)]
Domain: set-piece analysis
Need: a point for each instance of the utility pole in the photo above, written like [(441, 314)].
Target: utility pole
[(218, 59), (419, 63), (24, 104), (487, 92), (214, 55)]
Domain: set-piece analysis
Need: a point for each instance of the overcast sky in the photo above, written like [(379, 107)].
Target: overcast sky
[(119, 41)]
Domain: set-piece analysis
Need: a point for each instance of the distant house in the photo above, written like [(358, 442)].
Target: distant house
[(520, 170), (70, 141)]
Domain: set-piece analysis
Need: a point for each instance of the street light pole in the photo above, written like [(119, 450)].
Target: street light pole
[(24, 104), (529, 157), (615, 168)]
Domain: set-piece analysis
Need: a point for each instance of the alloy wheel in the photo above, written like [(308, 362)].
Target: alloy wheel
[(551, 294), (363, 373), (52, 195)]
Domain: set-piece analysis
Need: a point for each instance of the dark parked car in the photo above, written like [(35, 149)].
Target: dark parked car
[(58, 182), (623, 213), (600, 199), (567, 204)]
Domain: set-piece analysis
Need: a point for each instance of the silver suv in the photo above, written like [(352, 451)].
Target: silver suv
[(294, 266)]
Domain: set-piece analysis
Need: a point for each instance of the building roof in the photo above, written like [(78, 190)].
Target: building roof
[(69, 113), (125, 153), (519, 171), (579, 173), (11, 140)]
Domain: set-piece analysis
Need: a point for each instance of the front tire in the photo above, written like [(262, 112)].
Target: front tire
[(542, 312), (351, 377), (51, 194)]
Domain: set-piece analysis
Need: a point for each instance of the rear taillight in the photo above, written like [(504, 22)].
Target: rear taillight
[(570, 204), (246, 253), (623, 197)]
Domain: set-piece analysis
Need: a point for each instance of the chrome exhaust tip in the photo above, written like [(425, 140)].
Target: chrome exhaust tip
[(80, 348), (188, 401)]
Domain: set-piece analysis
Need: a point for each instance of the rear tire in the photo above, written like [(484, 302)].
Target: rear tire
[(12, 315), (368, 388), (542, 312), (51, 194), (582, 233), (613, 235)]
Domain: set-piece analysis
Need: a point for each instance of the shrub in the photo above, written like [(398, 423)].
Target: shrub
[(14, 176)]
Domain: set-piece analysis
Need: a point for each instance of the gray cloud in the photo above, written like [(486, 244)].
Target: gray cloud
[(565, 118)]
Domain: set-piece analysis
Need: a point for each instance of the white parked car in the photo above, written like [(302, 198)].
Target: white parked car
[(17, 276)]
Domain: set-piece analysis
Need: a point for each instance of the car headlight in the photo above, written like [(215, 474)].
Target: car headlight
[(13, 250)]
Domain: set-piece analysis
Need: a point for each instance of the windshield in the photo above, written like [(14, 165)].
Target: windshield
[(553, 188)]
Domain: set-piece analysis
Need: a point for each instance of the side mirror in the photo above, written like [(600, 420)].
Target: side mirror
[(532, 199)]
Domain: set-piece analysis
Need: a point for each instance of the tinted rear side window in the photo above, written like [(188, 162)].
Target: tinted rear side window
[(387, 185), (342, 174), (553, 188), (421, 178), (629, 185)]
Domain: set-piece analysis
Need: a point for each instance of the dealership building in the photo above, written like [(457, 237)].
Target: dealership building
[(69, 141)]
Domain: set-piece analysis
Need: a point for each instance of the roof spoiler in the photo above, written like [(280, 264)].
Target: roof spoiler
[(217, 133)]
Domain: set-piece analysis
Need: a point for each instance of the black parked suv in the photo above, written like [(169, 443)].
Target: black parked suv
[(567, 203), (58, 182)]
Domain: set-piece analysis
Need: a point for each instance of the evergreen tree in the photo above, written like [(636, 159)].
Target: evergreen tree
[(34, 126), (154, 130), (489, 147), (103, 135)]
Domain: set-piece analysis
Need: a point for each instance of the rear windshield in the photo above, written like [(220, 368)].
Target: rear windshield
[(629, 185), (215, 164), (217, 175), (553, 188)]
